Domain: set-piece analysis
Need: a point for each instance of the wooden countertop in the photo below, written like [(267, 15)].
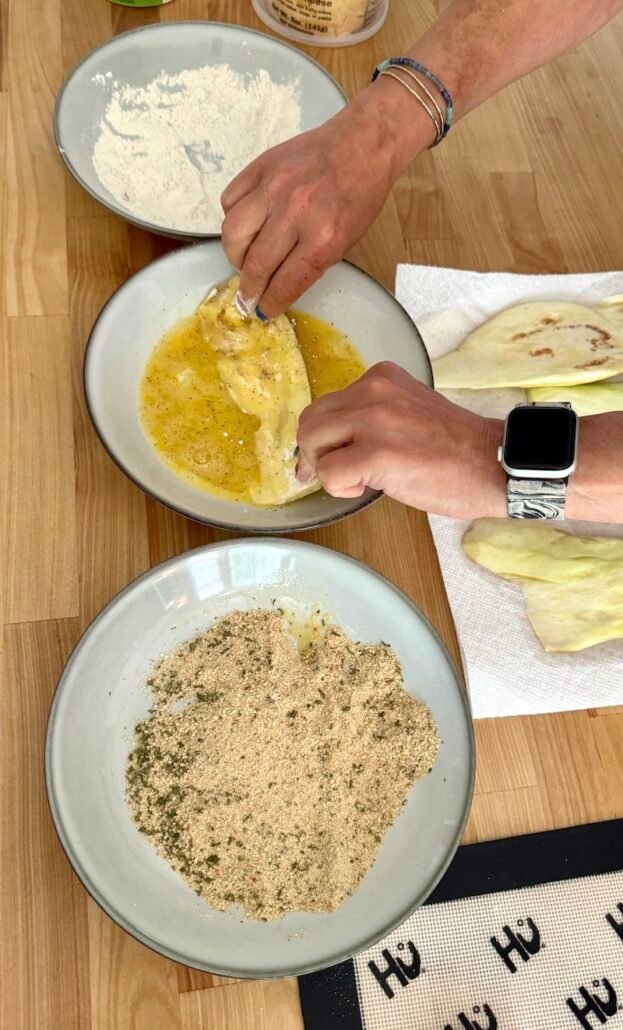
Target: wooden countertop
[(530, 183)]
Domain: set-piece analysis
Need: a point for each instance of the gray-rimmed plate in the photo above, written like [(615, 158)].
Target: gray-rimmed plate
[(139, 56), (150, 302), (101, 695)]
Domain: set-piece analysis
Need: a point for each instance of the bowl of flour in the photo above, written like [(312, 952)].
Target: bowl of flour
[(155, 123)]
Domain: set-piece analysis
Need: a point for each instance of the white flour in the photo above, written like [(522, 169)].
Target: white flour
[(167, 151)]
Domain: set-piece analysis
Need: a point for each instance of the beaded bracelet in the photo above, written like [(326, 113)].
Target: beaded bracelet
[(408, 62)]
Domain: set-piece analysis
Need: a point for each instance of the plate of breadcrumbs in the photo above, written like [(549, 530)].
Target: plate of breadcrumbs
[(259, 758)]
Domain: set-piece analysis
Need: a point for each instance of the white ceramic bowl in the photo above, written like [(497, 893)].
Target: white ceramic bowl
[(100, 697), (150, 302), (138, 57)]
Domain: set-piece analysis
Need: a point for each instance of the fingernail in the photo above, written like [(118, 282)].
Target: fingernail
[(304, 474), (245, 307), (240, 306), (260, 314)]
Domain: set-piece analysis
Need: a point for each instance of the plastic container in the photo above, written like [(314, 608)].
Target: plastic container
[(314, 28)]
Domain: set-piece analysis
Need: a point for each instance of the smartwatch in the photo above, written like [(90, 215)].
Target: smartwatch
[(538, 454)]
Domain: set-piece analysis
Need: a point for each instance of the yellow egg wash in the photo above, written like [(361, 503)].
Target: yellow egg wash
[(192, 422), (310, 629), (331, 360)]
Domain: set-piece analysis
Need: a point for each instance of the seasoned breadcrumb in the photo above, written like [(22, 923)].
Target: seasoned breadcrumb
[(268, 775)]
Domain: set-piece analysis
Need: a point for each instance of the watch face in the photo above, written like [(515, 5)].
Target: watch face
[(540, 438)]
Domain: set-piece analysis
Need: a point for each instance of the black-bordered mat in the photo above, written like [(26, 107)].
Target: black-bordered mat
[(524, 933)]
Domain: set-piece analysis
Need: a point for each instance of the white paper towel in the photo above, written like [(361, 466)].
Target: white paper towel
[(507, 670)]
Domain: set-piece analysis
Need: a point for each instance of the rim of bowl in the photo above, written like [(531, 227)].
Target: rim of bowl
[(117, 917), (161, 230), (366, 499)]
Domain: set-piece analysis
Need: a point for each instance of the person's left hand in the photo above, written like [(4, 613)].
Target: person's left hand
[(390, 432)]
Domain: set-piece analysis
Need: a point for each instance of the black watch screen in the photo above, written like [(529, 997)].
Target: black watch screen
[(540, 438)]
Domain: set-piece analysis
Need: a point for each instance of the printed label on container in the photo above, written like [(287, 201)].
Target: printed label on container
[(324, 17)]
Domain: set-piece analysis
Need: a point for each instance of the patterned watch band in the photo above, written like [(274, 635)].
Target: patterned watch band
[(536, 498)]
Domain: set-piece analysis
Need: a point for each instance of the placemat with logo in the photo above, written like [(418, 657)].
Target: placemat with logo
[(524, 933)]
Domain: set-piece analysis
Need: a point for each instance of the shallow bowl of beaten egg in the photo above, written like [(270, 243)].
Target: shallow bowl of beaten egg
[(156, 396)]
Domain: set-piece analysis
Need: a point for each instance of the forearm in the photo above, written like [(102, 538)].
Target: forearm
[(595, 492), (477, 47)]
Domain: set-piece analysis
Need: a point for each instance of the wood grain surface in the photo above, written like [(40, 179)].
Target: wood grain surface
[(530, 183)]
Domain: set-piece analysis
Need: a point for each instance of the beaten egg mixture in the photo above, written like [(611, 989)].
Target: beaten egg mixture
[(193, 423)]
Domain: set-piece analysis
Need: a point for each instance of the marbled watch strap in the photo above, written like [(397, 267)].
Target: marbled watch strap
[(536, 498)]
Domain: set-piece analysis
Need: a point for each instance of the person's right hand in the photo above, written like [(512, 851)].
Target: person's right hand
[(300, 206)]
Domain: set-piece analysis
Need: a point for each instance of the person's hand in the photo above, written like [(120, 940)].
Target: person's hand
[(298, 208), (390, 432)]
